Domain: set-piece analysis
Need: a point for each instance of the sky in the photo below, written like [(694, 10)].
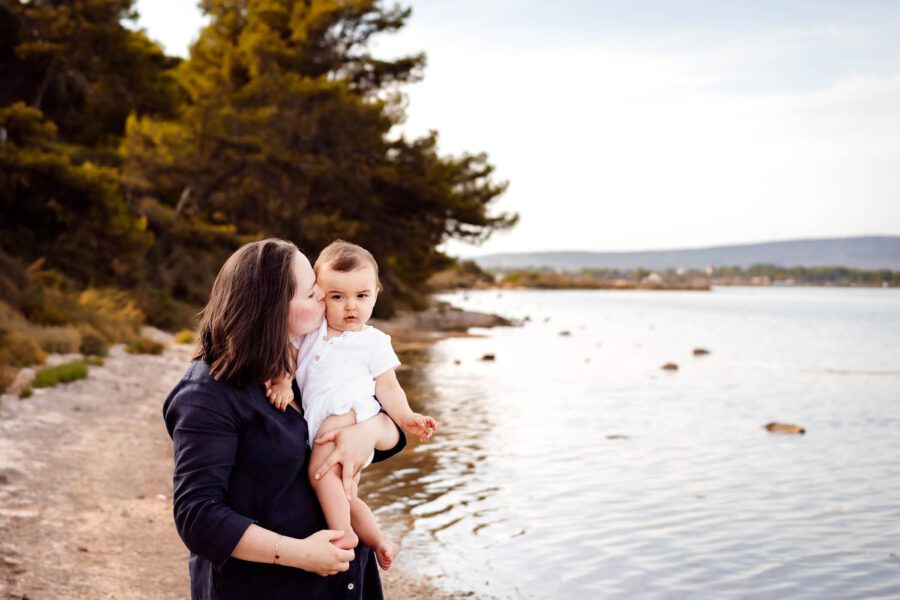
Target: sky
[(655, 124)]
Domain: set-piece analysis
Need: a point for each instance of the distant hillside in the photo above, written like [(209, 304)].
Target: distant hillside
[(874, 252)]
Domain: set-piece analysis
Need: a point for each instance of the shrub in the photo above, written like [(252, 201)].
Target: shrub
[(185, 336), (162, 310), (26, 393), (92, 343), (7, 376), (19, 350), (112, 313), (94, 361), (10, 318), (51, 297), (143, 345), (50, 376), (62, 340), (13, 279), (17, 346)]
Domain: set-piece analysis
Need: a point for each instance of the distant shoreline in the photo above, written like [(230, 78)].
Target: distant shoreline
[(469, 275), (669, 288)]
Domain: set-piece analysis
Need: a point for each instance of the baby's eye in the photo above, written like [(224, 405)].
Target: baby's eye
[(335, 296), (362, 295)]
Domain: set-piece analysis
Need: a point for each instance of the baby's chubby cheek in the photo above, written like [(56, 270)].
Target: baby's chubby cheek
[(333, 314)]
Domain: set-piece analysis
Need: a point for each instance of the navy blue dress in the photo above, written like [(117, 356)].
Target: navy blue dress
[(239, 461)]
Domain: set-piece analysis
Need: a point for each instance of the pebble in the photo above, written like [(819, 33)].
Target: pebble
[(776, 427)]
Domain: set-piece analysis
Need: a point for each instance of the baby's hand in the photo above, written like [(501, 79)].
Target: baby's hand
[(280, 393), (419, 425)]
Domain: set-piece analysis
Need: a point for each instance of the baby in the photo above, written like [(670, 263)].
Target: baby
[(343, 367)]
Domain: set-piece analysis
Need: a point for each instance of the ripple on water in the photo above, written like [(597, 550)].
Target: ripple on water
[(521, 494)]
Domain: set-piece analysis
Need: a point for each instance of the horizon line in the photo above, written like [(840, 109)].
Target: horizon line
[(687, 249)]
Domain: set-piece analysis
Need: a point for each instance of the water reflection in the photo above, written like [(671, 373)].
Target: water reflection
[(434, 486), (557, 476)]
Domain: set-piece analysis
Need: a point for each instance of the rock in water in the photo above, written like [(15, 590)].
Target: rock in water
[(489, 357), (669, 367), (701, 352), (784, 428)]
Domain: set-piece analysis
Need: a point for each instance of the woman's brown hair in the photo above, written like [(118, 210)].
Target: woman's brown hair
[(243, 329)]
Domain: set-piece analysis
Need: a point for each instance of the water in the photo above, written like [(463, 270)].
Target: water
[(574, 467)]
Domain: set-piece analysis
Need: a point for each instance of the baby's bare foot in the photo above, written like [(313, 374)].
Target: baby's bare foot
[(385, 553), (348, 541)]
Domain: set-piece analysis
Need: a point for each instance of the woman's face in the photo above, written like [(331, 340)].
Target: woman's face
[(308, 304)]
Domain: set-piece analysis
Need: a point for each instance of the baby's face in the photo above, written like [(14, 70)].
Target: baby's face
[(349, 297)]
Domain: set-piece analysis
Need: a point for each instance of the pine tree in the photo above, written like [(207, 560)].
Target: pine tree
[(77, 63), (288, 132)]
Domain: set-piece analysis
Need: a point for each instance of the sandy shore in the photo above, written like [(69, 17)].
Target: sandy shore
[(86, 486)]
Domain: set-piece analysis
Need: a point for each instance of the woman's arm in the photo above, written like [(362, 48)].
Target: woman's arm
[(315, 553), (205, 438), (354, 444)]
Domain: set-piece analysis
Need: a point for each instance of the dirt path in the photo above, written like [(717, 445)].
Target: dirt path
[(86, 489), (86, 486)]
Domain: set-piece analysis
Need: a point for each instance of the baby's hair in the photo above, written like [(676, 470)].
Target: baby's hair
[(344, 257)]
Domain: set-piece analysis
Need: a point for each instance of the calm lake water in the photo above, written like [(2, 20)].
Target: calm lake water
[(528, 490)]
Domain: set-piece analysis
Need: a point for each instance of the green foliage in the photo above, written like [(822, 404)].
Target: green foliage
[(92, 343), (462, 275), (123, 169), (77, 63), (823, 275), (13, 280), (64, 373), (288, 133), (164, 311), (144, 345), (185, 336), (545, 279), (93, 361), (729, 275), (26, 393), (61, 340), (72, 73), (20, 351), (111, 312), (18, 348), (7, 376), (68, 213), (54, 299)]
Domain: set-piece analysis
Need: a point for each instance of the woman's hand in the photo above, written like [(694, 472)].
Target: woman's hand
[(318, 555), (354, 445), (315, 553)]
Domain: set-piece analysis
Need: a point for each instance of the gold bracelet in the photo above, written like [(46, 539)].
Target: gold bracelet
[(275, 560)]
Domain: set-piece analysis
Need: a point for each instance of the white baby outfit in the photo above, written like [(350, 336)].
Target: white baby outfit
[(337, 375)]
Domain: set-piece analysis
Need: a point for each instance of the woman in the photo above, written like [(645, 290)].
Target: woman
[(243, 503)]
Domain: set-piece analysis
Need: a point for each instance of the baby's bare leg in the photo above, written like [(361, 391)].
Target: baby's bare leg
[(366, 527), (330, 488)]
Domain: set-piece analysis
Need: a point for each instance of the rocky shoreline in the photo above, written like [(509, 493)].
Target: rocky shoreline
[(86, 477)]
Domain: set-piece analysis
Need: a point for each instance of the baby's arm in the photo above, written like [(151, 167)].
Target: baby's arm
[(279, 392), (393, 399)]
